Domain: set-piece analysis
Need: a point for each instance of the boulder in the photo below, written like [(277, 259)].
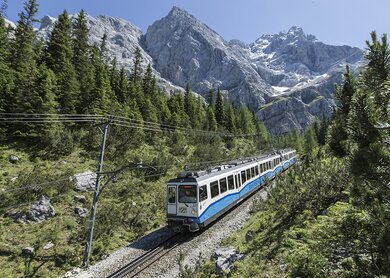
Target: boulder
[(225, 257), (85, 181), (28, 251), (13, 158), (40, 210), (48, 245), (248, 236), (82, 212), (80, 198)]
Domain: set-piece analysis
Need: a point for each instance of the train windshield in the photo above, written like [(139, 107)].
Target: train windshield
[(187, 194)]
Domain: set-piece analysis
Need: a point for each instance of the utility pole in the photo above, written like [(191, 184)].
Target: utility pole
[(88, 244)]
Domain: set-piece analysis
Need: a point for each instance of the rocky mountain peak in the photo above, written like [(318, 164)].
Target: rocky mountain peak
[(179, 12), (47, 21)]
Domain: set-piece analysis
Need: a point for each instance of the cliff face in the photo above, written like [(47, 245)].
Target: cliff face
[(288, 78)]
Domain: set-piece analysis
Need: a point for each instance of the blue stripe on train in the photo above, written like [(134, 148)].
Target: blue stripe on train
[(219, 205)]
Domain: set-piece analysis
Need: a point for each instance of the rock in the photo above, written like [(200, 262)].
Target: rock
[(48, 246), (225, 257), (72, 273), (82, 212), (80, 198), (85, 181), (40, 210), (28, 251), (13, 158), (248, 236)]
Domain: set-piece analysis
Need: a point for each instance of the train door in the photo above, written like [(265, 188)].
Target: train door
[(172, 199)]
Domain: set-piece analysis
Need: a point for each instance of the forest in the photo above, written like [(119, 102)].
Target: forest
[(54, 96)]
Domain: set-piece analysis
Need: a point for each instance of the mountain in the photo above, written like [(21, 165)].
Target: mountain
[(186, 50), (287, 78)]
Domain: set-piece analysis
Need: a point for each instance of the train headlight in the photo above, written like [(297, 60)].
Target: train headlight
[(193, 212)]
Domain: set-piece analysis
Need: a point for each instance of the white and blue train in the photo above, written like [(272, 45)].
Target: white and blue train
[(195, 199)]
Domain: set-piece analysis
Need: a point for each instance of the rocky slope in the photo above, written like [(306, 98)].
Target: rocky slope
[(288, 78)]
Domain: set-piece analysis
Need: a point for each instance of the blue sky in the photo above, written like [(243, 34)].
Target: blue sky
[(331, 21)]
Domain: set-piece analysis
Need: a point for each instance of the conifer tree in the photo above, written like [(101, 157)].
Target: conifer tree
[(123, 86), (25, 68), (60, 50), (338, 134), (219, 110), (262, 134), (81, 61), (246, 121), (148, 85), (230, 119), (189, 105), (310, 140), (101, 96), (137, 69), (211, 123), (6, 75), (211, 99), (369, 155)]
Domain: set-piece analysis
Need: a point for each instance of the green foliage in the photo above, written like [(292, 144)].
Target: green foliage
[(219, 109), (338, 133)]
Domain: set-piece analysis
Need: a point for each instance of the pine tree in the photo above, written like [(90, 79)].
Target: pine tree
[(310, 140), (81, 61), (25, 68), (137, 69), (123, 86), (101, 96), (211, 99), (211, 123), (338, 134), (369, 155), (189, 105), (246, 121), (6, 75), (262, 134), (60, 52), (219, 109), (148, 85), (230, 119)]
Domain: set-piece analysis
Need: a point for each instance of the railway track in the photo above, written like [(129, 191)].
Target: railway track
[(139, 264)]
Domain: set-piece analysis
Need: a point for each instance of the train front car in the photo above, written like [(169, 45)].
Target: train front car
[(182, 202)]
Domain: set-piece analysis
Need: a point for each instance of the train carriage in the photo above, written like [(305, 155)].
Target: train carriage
[(195, 199)]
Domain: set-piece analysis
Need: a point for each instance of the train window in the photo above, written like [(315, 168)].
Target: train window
[(187, 194), (253, 172), (261, 168), (223, 185), (214, 189), (248, 174), (257, 170), (236, 180), (243, 177), (230, 182), (172, 195), (202, 193)]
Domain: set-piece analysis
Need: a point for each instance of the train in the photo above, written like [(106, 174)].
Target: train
[(197, 198)]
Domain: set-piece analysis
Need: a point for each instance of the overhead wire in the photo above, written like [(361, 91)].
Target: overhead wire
[(116, 120)]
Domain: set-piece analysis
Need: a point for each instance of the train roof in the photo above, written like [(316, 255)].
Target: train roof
[(199, 176)]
